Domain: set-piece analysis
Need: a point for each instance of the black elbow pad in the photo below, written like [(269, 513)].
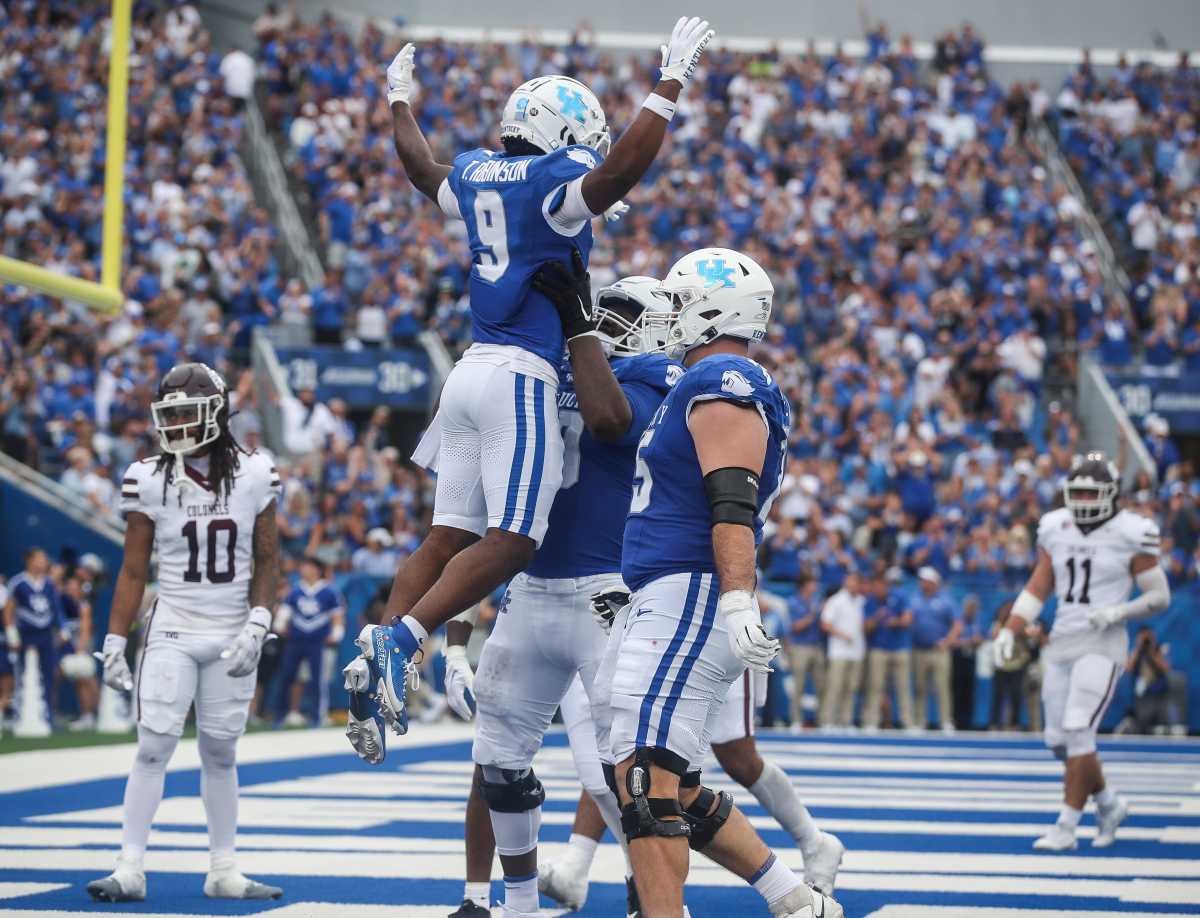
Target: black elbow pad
[(732, 495)]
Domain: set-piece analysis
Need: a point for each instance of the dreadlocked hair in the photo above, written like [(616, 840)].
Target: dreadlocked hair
[(224, 460)]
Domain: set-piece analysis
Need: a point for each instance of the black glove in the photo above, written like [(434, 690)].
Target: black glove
[(605, 607), (571, 294)]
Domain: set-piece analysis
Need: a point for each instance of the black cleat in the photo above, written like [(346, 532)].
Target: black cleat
[(633, 905), (469, 909)]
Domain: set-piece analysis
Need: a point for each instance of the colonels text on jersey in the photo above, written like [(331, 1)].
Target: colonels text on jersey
[(204, 541)]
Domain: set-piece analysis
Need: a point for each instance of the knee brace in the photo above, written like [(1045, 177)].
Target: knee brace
[(643, 815), (610, 777), (1080, 742), (507, 790), (707, 813), (691, 779)]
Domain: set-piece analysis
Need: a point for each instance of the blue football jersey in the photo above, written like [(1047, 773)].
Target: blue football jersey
[(504, 201), (588, 516), (37, 603), (312, 608), (669, 530)]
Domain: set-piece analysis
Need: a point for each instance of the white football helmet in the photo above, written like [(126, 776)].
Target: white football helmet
[(620, 314), (713, 293), (555, 111)]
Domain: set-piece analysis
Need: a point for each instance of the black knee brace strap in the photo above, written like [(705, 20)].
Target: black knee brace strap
[(518, 793), (691, 779), (707, 813), (644, 815), (610, 777)]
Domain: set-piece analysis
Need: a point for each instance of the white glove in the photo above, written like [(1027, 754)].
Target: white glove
[(116, 670), (246, 648), (357, 676), (400, 75), (747, 639), (460, 681), (616, 212), (607, 606), (1003, 645), (683, 49), (12, 637), (1106, 616)]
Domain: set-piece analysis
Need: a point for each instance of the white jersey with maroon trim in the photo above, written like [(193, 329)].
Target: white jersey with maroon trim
[(1092, 570), (204, 543)]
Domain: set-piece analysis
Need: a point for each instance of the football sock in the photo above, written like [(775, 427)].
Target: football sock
[(219, 790), (582, 850), (521, 893), (410, 634), (143, 792), (778, 797), (479, 893), (774, 879), (1106, 797), (516, 833), (1069, 817)]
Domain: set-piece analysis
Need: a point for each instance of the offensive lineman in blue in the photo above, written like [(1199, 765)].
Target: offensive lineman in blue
[(545, 633), (708, 468), (500, 447)]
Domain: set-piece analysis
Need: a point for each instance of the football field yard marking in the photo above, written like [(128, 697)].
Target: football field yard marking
[(935, 827)]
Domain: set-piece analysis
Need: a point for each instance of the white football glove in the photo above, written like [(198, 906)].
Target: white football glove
[(357, 676), (116, 670), (460, 681), (682, 51), (400, 75), (12, 637), (607, 606), (1106, 616), (1003, 645), (747, 639), (616, 212), (246, 648)]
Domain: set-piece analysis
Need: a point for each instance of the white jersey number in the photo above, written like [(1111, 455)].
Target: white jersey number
[(218, 570), (572, 430), (642, 482), (492, 230)]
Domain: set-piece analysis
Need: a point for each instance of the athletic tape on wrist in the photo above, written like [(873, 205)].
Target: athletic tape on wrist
[(660, 105)]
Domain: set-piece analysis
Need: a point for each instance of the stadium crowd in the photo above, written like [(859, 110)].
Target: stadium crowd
[(1131, 136), (928, 272)]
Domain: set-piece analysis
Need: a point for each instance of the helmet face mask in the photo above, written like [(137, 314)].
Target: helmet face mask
[(714, 293), (621, 312), (1091, 489), (551, 112), (189, 412)]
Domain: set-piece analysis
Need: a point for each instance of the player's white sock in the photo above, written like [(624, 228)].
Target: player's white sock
[(1069, 817), (582, 850), (143, 793), (778, 797), (410, 634), (219, 790), (774, 879), (521, 893), (479, 893), (1106, 797)]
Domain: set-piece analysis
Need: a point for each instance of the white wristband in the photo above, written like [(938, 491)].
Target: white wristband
[(660, 105)]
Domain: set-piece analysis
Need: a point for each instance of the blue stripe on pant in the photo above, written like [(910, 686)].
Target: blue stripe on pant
[(296, 648), (689, 661), (539, 455), (518, 461), (43, 640), (664, 665)]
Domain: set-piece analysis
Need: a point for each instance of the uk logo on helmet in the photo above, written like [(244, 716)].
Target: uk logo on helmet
[(715, 272), (573, 105)]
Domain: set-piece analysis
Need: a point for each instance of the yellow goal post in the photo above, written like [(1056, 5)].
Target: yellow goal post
[(106, 295)]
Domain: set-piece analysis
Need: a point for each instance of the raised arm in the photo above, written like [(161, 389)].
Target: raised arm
[(602, 403), (632, 155), (425, 172)]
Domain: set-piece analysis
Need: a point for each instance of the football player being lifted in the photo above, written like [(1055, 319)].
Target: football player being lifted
[(208, 507), (707, 470), (1090, 555), (501, 449)]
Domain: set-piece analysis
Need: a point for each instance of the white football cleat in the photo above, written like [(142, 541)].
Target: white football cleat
[(565, 881), (1059, 838), (821, 867), (1108, 820), (295, 719), (124, 884), (229, 884), (803, 902)]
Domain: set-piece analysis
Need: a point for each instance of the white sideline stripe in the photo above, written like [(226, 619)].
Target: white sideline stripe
[(989, 911), (1157, 892), (292, 910), (16, 890), (448, 865)]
